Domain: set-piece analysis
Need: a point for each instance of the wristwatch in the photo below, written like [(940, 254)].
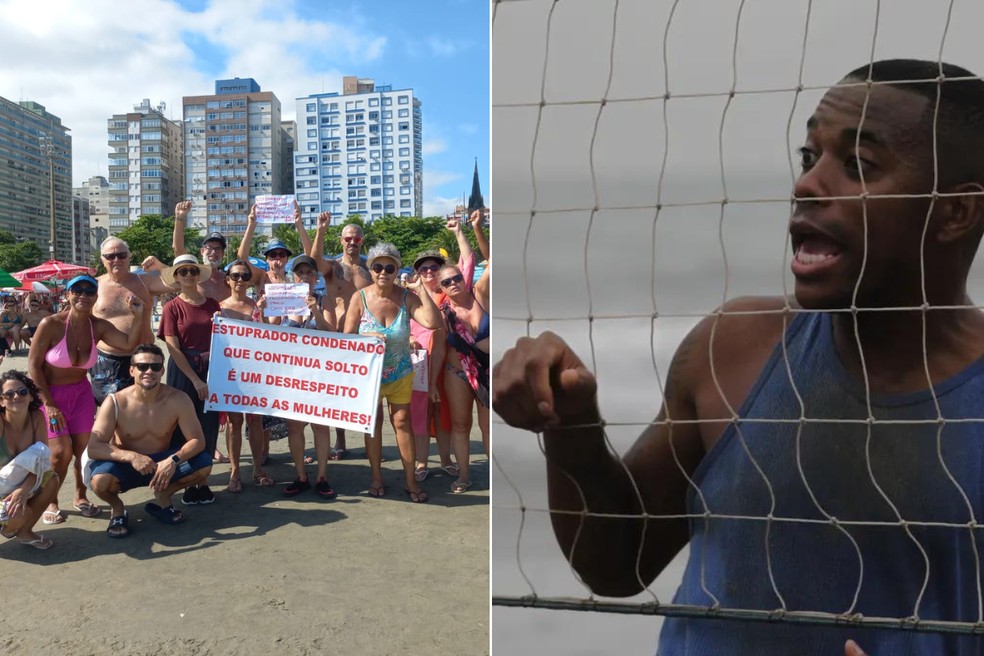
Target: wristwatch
[(175, 459)]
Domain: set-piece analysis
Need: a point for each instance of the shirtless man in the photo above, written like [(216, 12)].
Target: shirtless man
[(342, 279), (131, 444), (887, 219), (111, 371), (212, 251), (353, 269)]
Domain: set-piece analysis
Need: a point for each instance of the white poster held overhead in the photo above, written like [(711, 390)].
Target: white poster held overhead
[(274, 209), (286, 299), (309, 375)]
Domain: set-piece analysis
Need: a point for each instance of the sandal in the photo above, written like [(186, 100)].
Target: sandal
[(337, 454), (87, 508), (235, 485), (451, 470), (166, 515), (52, 517), (263, 480), (324, 490), (459, 487), (417, 497), (378, 491), (39, 542), (296, 487), (119, 525), (420, 474)]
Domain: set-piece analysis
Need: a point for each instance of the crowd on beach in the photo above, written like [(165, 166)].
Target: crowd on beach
[(99, 392)]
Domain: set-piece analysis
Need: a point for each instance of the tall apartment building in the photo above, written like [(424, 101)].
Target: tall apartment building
[(233, 153), (35, 167), (146, 164), (96, 191), (359, 152), (80, 248), (288, 137)]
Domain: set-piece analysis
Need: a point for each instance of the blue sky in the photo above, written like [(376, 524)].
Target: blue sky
[(92, 60)]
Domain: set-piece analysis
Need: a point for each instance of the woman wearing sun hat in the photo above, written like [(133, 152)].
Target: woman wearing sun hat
[(384, 309), (62, 351), (186, 328)]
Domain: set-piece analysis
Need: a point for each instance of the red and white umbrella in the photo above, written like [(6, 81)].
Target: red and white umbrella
[(53, 269)]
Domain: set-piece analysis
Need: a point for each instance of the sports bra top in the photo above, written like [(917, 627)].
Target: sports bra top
[(59, 357)]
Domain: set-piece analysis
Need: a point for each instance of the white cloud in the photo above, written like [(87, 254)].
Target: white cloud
[(433, 146), (90, 60), (445, 46), (439, 206), (439, 178)]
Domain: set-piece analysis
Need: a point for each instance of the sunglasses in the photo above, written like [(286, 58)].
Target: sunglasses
[(447, 282), (83, 291), (190, 271), (430, 268), (379, 268), (116, 256), (277, 255), (303, 271), (240, 277), (352, 240), (9, 394), (145, 366)]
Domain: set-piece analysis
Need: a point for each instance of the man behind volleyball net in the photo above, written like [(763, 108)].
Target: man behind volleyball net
[(823, 455)]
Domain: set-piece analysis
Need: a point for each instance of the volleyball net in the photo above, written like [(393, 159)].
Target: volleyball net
[(644, 160)]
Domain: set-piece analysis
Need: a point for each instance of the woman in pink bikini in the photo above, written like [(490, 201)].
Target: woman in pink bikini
[(62, 351)]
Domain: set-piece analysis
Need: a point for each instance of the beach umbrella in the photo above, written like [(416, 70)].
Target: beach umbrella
[(253, 261), (7, 280), (52, 269), (35, 287)]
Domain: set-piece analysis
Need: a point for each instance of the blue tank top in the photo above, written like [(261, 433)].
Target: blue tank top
[(815, 565), (396, 361)]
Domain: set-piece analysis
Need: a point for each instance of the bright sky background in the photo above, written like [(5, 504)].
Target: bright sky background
[(85, 61)]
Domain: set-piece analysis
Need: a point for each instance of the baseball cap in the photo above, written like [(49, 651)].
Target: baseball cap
[(216, 236), (83, 278)]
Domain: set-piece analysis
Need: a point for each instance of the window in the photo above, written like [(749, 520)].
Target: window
[(404, 138), (387, 102), (310, 107), (404, 113), (374, 102), (312, 120), (312, 133), (404, 100), (404, 125), (405, 202), (312, 145), (404, 152), (387, 113)]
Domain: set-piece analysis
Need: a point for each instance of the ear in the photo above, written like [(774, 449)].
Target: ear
[(959, 214)]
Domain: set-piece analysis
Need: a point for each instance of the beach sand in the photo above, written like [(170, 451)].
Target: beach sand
[(257, 573)]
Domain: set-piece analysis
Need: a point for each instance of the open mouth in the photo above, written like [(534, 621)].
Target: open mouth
[(813, 250)]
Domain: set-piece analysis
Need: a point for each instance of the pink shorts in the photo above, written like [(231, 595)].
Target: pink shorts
[(77, 406)]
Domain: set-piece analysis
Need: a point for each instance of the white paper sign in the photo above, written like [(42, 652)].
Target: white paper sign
[(323, 377), (286, 299), (274, 209), (421, 381)]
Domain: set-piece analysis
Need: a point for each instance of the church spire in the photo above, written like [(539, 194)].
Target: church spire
[(475, 201)]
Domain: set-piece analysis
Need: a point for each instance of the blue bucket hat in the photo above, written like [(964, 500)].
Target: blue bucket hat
[(277, 245)]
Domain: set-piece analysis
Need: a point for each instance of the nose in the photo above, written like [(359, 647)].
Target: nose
[(814, 184)]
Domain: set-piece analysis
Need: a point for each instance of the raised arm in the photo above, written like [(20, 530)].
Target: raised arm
[(482, 288), (180, 221), (301, 231), (244, 246), (483, 242), (317, 250), (466, 256)]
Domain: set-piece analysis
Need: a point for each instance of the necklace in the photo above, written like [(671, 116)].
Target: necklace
[(78, 340)]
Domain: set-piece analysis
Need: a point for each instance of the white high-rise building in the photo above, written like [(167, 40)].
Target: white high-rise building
[(359, 152), (146, 164)]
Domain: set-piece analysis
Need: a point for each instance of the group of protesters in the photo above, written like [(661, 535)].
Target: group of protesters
[(93, 391)]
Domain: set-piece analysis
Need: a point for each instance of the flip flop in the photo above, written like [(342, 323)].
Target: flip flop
[(235, 486), (50, 517), (378, 491), (40, 542), (167, 515), (222, 459), (87, 509), (460, 488), (420, 475), (263, 480), (118, 522), (337, 454), (417, 497), (451, 470)]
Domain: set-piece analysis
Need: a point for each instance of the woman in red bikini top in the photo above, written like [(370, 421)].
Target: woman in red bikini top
[(62, 350)]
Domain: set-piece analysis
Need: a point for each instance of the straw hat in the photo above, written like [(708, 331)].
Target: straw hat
[(167, 275)]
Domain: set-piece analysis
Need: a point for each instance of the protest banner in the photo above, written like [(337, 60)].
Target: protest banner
[(308, 375), (274, 209), (286, 299)]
